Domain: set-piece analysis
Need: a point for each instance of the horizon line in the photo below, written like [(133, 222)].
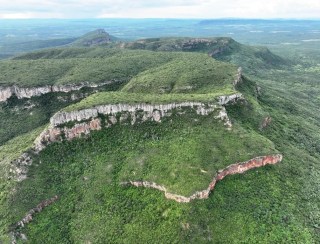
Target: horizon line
[(161, 18)]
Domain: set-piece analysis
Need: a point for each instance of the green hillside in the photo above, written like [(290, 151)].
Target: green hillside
[(17, 47), (63, 66), (251, 58), (279, 114), (119, 66), (94, 38), (10, 49), (188, 74)]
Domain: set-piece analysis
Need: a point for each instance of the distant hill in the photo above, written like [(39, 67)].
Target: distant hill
[(221, 48), (14, 48), (94, 38), (145, 71)]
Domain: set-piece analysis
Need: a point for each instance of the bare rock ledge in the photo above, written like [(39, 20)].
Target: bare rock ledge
[(237, 168), (28, 92)]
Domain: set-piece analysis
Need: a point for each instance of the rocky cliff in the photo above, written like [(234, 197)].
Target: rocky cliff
[(28, 92), (87, 120), (148, 109), (238, 78), (224, 100), (237, 168)]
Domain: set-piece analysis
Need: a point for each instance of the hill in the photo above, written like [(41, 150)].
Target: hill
[(250, 58), (94, 38), (14, 48), (160, 153)]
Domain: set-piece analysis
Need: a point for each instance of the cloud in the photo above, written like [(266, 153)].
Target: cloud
[(159, 8)]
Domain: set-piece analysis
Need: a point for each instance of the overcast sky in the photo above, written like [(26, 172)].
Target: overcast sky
[(160, 9)]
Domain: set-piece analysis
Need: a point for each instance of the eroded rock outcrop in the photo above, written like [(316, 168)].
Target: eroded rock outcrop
[(266, 122), (28, 92), (87, 120), (238, 78), (53, 134), (224, 100), (237, 168), (19, 167), (29, 216), (69, 125), (112, 109)]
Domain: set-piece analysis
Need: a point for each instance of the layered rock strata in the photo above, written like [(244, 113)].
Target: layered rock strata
[(225, 100), (228, 99), (28, 92), (87, 120), (237, 168), (150, 111)]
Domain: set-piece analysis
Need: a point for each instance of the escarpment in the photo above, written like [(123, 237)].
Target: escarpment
[(147, 109), (28, 92), (237, 168), (87, 120), (75, 124)]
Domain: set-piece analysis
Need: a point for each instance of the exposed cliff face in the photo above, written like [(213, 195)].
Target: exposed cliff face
[(5, 93), (114, 113), (148, 109), (224, 100), (20, 92), (88, 120), (237, 168), (238, 78), (53, 134)]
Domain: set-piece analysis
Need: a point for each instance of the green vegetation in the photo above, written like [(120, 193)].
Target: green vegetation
[(9, 152), (93, 38), (183, 153), (251, 58), (196, 74), (74, 70), (51, 67), (19, 116), (273, 204), (103, 98), (175, 44), (10, 49)]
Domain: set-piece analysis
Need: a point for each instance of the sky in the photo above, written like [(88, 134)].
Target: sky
[(202, 9)]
